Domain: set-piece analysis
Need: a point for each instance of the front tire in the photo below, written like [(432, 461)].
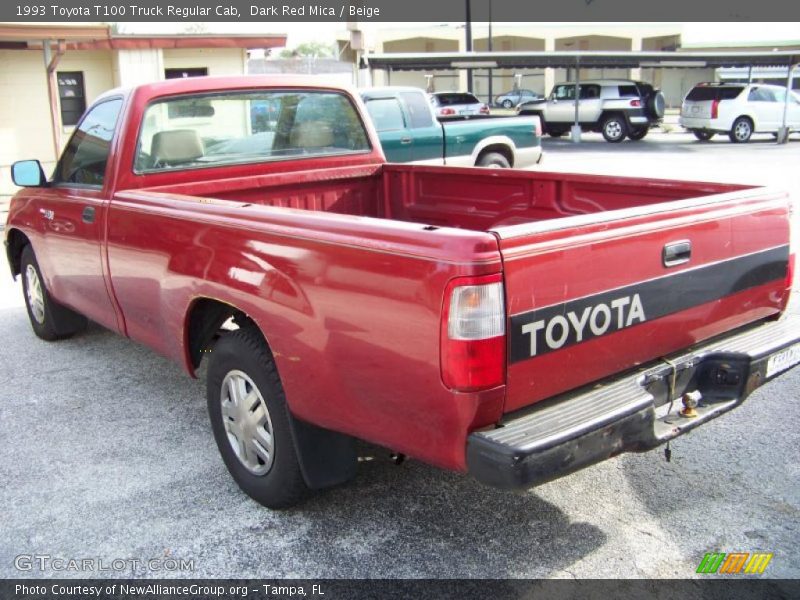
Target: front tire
[(614, 129), (741, 131), (50, 320), (251, 421), (703, 136), (507, 103), (493, 160)]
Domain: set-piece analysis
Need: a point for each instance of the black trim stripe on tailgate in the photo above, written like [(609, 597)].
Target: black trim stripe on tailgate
[(558, 326)]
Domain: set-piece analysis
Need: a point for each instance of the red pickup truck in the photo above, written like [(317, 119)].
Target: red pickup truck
[(514, 325)]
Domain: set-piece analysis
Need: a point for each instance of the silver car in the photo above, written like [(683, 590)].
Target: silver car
[(451, 105)]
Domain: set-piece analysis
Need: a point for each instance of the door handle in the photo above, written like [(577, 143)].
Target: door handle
[(88, 214), (677, 253), (405, 140)]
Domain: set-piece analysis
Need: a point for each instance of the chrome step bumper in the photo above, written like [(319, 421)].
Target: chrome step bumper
[(633, 413)]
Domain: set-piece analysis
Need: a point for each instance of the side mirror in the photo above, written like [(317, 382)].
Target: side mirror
[(28, 173)]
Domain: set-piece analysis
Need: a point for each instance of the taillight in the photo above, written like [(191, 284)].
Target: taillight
[(445, 112), (636, 102), (473, 334), (714, 109), (484, 109), (790, 272), (538, 129)]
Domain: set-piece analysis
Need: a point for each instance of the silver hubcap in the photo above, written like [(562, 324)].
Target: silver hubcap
[(742, 130), (247, 423), (613, 129), (33, 289)]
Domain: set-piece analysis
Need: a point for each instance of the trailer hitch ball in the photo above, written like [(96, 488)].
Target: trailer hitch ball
[(690, 402)]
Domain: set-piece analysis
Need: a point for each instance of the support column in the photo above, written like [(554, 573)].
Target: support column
[(783, 132), (549, 72), (636, 46)]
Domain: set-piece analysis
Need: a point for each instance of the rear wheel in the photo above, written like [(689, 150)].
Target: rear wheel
[(555, 132), (494, 160), (50, 321), (507, 103), (741, 131), (250, 420), (703, 136), (614, 129), (638, 134)]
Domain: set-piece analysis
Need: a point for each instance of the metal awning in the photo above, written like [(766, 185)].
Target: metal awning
[(421, 61)]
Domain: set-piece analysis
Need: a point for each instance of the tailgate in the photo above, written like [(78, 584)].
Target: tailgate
[(696, 110), (592, 295)]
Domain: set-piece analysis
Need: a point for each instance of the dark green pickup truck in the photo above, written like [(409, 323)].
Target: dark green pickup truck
[(409, 133)]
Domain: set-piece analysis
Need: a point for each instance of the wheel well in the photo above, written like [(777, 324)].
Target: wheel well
[(500, 149), (749, 118), (614, 113), (204, 321), (16, 244)]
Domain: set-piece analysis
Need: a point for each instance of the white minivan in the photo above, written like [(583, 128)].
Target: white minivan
[(738, 109)]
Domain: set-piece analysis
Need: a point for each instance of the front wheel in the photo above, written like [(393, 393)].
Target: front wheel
[(741, 131), (638, 134), (614, 129), (494, 160), (507, 103), (703, 136), (250, 420), (49, 319)]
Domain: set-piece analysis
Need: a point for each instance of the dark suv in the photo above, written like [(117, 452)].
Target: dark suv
[(617, 108)]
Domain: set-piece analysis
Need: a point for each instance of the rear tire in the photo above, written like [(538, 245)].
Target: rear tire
[(703, 136), (614, 129), (638, 134), (50, 320), (493, 160), (251, 421), (507, 103), (741, 131), (556, 133)]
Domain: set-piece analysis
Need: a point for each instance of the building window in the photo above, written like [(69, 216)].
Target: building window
[(72, 96), (181, 73)]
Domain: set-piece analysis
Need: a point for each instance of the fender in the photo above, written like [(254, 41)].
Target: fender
[(495, 140)]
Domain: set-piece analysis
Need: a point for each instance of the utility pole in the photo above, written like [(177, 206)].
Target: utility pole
[(489, 46), (469, 42)]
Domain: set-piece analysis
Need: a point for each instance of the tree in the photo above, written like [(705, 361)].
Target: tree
[(309, 50)]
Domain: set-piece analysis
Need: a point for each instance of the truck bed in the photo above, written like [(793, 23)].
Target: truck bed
[(470, 199)]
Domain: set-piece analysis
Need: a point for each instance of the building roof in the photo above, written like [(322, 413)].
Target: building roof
[(100, 37), (417, 61)]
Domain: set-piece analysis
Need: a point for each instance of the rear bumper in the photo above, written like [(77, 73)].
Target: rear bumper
[(632, 413), (527, 157), (702, 124)]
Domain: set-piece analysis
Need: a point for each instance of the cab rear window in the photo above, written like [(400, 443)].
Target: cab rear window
[(704, 93)]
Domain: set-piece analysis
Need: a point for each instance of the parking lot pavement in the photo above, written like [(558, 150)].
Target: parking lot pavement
[(106, 452)]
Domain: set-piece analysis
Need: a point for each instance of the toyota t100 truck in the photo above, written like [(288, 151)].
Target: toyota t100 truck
[(512, 325)]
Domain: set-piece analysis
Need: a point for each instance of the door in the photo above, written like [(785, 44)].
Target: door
[(768, 111), (426, 131), (561, 104), (73, 211), (389, 120)]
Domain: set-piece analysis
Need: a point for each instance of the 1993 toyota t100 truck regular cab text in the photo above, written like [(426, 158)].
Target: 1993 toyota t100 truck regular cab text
[(514, 325)]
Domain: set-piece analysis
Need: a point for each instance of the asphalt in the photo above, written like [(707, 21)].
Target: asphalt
[(106, 453)]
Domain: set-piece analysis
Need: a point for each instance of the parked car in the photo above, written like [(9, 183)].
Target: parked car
[(448, 105), (738, 110), (409, 132), (489, 322), (515, 97), (617, 108)]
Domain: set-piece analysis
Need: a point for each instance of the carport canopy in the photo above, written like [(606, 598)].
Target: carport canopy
[(418, 61)]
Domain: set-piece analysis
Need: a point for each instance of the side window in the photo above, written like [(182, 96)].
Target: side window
[(386, 114), (85, 157), (761, 95), (628, 91), (564, 92), (590, 91), (419, 113)]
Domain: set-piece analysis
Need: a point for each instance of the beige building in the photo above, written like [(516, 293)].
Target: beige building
[(50, 73)]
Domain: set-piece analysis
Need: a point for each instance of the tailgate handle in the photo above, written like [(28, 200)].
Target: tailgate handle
[(677, 253)]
